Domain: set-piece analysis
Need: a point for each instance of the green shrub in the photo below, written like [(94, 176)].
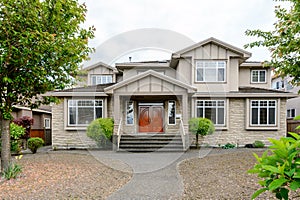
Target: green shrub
[(228, 146), (16, 132), (279, 167), (12, 171), (201, 126), (258, 144), (101, 130), (34, 143)]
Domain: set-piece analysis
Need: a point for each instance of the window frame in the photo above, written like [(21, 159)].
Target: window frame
[(45, 123), (216, 107), (258, 80), (217, 67), (101, 76), (259, 107), (133, 111), (76, 110), (174, 112), (290, 113)]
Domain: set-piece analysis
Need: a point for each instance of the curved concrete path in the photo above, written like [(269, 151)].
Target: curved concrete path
[(155, 174)]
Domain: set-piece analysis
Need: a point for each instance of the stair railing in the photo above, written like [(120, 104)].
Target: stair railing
[(119, 133), (183, 134)]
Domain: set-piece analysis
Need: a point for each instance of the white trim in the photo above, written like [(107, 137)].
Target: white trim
[(133, 111), (258, 81), (259, 107), (76, 111), (216, 68), (101, 79), (216, 107), (174, 112), (49, 123)]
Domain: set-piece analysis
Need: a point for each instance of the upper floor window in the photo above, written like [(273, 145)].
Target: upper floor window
[(101, 79), (83, 112), (258, 76), (263, 112), (213, 110), (291, 113), (210, 71)]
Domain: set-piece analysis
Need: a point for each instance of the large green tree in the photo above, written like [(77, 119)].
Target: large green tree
[(42, 44), (284, 41)]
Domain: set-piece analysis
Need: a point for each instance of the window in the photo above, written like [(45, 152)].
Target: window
[(258, 76), (213, 110), (129, 113), (101, 79), (291, 113), (47, 123), (172, 112), (263, 112), (82, 112), (210, 71)]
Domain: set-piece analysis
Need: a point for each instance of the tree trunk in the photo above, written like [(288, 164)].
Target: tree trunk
[(5, 143)]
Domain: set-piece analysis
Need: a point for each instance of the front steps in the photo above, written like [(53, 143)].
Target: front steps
[(150, 143)]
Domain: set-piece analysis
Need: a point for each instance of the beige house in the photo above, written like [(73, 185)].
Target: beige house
[(155, 100)]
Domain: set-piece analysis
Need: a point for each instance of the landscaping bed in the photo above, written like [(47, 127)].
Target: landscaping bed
[(63, 176), (221, 176)]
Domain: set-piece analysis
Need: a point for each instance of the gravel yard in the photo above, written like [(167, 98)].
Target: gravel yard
[(63, 176), (220, 176)]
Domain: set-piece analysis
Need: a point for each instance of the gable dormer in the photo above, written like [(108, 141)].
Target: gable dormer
[(100, 73), (210, 65)]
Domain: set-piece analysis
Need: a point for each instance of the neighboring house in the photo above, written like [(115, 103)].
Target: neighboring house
[(41, 121), (293, 104), (210, 79)]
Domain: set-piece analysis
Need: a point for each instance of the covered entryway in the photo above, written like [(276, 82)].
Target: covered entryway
[(151, 118)]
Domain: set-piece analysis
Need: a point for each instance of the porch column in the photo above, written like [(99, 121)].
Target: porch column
[(185, 117), (116, 116)]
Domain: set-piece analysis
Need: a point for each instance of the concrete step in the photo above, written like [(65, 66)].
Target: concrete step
[(149, 143)]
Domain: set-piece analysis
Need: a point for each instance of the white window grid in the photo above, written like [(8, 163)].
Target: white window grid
[(47, 122), (257, 74), (259, 104), (291, 113), (101, 79), (83, 104), (212, 104), (211, 65)]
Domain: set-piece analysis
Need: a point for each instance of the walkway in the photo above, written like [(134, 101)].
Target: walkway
[(155, 174)]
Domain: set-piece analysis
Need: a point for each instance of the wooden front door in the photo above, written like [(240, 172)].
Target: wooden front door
[(150, 119)]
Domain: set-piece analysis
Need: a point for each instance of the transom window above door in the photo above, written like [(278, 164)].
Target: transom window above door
[(210, 71), (101, 79)]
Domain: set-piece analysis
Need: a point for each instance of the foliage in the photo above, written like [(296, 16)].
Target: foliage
[(34, 143), (16, 132), (101, 130), (258, 144), (283, 42), (228, 146), (279, 167), (42, 45), (26, 122), (13, 170), (201, 126)]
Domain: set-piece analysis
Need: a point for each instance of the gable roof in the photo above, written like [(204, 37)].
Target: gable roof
[(95, 65), (148, 73), (213, 40)]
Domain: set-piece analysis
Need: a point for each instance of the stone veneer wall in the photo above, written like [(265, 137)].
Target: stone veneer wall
[(66, 139), (237, 133)]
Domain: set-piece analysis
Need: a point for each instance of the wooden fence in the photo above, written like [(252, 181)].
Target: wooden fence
[(292, 125), (45, 134)]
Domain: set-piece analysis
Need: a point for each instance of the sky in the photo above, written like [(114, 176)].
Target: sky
[(195, 19)]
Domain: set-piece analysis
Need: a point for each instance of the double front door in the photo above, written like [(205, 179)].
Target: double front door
[(150, 118)]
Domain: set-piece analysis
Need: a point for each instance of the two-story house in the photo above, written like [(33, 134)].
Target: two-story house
[(210, 79)]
